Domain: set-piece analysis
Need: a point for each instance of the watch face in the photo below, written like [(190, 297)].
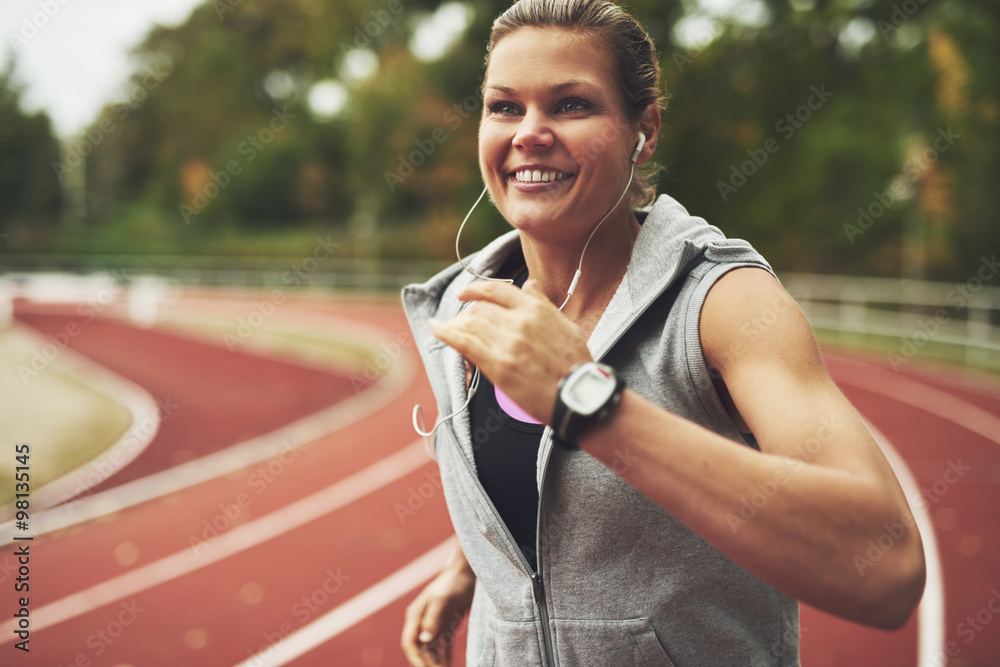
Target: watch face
[(588, 391)]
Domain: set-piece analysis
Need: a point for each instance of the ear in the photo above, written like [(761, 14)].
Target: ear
[(649, 125)]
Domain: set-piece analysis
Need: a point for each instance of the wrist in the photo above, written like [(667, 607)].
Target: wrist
[(462, 569), (597, 437), (586, 397), (458, 564)]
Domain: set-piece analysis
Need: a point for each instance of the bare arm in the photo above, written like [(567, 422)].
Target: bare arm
[(431, 619), (798, 512), (827, 488)]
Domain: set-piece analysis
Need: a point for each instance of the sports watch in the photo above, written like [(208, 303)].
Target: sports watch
[(586, 395)]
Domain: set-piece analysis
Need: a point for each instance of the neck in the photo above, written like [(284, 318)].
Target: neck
[(552, 265)]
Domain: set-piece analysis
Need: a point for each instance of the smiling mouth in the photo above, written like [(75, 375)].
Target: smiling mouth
[(538, 176)]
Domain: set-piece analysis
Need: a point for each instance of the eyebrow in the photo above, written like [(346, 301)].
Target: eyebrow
[(555, 88)]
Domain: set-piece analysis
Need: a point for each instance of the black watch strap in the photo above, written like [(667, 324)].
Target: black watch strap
[(567, 424)]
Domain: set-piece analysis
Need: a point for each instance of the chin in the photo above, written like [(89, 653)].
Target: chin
[(534, 208), (550, 224)]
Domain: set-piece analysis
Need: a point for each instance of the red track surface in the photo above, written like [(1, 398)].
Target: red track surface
[(207, 388), (224, 612)]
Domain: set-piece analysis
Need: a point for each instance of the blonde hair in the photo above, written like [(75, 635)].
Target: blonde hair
[(634, 61)]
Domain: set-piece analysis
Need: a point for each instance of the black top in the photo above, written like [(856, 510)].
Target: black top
[(506, 455), (506, 452)]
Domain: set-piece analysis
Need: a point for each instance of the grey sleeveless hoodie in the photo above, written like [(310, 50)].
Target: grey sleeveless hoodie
[(620, 581)]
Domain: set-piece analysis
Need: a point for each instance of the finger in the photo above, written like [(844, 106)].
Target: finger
[(411, 627), (444, 653), (446, 643), (500, 293), (490, 318), (430, 624), (491, 322), (437, 653), (428, 640), (429, 654), (469, 345)]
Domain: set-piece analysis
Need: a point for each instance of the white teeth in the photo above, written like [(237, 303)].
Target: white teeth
[(537, 176)]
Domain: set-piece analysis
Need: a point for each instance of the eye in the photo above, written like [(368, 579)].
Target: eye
[(502, 108), (573, 105)]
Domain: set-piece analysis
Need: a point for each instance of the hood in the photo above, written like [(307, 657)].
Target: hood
[(669, 240)]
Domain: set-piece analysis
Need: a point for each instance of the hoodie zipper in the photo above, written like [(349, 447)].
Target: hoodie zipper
[(537, 582), (538, 585), (538, 591), (645, 306)]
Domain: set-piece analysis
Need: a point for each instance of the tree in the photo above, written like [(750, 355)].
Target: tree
[(810, 130), (29, 189)]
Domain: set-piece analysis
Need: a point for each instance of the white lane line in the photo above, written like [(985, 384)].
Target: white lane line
[(241, 538), (930, 611), (924, 397), (355, 610), (238, 456)]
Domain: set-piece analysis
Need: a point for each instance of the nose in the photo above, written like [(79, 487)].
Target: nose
[(534, 132)]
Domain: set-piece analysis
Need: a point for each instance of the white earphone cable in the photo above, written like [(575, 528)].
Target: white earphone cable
[(579, 268), (458, 253), (474, 382)]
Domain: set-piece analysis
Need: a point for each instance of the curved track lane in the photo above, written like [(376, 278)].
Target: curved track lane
[(295, 559), (210, 397)]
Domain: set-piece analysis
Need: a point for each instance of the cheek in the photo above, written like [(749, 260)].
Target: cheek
[(491, 158), (490, 137), (487, 150), (595, 147)]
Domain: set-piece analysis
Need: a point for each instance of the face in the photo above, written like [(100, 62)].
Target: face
[(554, 143)]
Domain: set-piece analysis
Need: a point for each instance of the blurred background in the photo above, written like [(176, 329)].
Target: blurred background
[(379, 106), (218, 202), (848, 137)]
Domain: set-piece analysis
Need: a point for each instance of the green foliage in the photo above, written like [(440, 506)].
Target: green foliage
[(801, 206), (29, 188), (402, 153)]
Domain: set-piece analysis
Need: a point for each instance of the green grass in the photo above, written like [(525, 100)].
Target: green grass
[(146, 231), (63, 419)]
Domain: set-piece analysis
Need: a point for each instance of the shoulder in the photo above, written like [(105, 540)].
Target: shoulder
[(748, 317)]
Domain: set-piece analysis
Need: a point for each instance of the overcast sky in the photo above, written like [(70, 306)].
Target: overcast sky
[(76, 60)]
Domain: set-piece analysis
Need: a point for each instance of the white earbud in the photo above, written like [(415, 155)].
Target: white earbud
[(638, 148)]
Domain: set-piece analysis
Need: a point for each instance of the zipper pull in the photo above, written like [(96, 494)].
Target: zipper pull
[(536, 585)]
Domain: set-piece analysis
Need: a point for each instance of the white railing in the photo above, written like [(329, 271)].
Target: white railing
[(920, 315), (909, 317), (289, 273)]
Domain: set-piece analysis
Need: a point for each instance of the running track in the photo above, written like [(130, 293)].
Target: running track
[(313, 563)]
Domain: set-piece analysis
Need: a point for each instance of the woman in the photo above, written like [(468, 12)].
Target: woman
[(677, 520)]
